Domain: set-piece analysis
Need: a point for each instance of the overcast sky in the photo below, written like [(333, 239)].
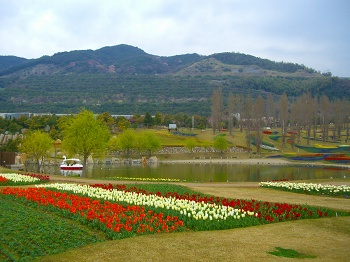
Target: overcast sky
[(315, 33)]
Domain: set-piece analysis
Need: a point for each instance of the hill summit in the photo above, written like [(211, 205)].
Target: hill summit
[(125, 59)]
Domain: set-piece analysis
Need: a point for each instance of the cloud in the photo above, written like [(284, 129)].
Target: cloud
[(314, 33)]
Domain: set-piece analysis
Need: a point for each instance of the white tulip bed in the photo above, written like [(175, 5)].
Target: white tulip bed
[(18, 178), (310, 188)]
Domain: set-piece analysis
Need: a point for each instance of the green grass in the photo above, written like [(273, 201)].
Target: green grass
[(290, 253), (12, 183), (163, 188), (27, 234), (6, 170)]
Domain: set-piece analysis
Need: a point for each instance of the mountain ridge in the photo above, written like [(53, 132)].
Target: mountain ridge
[(126, 59), (126, 80)]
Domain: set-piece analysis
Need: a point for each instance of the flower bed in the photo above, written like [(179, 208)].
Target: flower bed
[(111, 218), (309, 188), (119, 211), (200, 212), (147, 179), (3, 180), (304, 157), (12, 179), (274, 137), (341, 158), (184, 207)]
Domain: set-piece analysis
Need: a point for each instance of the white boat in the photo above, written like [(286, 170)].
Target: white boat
[(71, 164)]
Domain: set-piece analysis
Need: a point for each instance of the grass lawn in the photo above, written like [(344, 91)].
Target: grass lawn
[(325, 239)]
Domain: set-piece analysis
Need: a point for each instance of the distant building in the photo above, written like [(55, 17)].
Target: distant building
[(14, 115)]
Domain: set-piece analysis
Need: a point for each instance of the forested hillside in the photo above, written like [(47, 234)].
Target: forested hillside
[(10, 61), (126, 80)]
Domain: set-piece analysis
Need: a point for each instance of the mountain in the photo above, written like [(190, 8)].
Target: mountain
[(125, 59), (121, 59), (11, 61), (124, 79)]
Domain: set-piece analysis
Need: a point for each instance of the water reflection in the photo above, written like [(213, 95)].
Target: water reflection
[(204, 172), (71, 172)]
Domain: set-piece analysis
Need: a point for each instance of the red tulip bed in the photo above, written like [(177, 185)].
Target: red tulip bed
[(122, 211)]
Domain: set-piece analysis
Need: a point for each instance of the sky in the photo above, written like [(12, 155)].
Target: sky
[(315, 33)]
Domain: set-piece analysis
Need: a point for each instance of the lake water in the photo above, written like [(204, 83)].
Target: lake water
[(205, 172)]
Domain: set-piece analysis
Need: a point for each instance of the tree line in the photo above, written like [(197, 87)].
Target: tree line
[(317, 116), (54, 126), (140, 93), (52, 123), (87, 135)]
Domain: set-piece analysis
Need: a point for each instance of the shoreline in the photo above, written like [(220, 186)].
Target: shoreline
[(253, 161)]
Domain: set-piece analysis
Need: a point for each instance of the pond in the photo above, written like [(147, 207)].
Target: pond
[(204, 172)]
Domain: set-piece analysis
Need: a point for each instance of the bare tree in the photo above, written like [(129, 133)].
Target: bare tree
[(216, 108), (270, 110), (248, 115), (295, 119), (325, 113), (337, 119), (283, 106), (230, 112), (240, 109), (347, 119), (308, 111), (259, 113), (314, 115)]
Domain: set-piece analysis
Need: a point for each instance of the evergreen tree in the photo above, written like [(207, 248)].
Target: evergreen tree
[(148, 121)]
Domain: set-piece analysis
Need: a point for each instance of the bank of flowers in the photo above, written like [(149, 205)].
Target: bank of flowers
[(197, 210), (265, 212), (310, 188), (116, 220), (7, 179), (147, 179), (122, 212), (200, 212)]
